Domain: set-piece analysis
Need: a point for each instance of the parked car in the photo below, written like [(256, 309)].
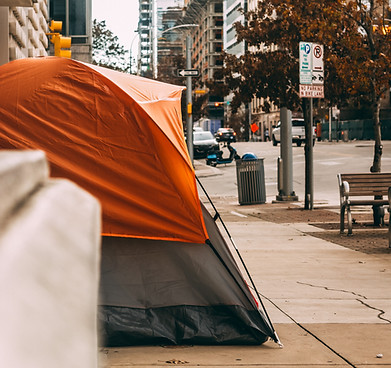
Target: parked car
[(225, 135), (298, 132), (203, 143)]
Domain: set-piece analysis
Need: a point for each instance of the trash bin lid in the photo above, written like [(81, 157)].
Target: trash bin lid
[(249, 156)]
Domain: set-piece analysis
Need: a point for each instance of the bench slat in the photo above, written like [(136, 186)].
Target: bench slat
[(369, 184)]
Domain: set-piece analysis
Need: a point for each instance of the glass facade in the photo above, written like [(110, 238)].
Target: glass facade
[(75, 17)]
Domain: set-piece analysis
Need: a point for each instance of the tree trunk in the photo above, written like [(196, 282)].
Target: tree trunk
[(247, 123), (378, 151), (376, 166)]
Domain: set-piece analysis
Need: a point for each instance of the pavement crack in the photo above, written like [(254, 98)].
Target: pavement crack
[(380, 315), (381, 311), (332, 289)]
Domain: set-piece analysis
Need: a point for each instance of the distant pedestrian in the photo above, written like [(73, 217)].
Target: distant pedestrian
[(267, 137)]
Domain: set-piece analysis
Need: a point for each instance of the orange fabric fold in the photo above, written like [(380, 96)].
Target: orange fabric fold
[(118, 136)]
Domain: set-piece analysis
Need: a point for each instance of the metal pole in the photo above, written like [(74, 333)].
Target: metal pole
[(286, 150), (189, 116), (287, 193), (330, 115), (249, 121), (309, 195)]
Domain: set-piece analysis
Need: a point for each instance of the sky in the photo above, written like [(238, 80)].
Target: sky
[(121, 18)]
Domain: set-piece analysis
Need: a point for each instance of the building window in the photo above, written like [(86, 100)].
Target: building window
[(218, 7), (77, 17)]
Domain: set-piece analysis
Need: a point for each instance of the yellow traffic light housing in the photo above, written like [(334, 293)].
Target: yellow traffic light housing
[(55, 26), (60, 42)]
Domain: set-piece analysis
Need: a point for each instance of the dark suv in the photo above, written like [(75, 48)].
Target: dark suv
[(225, 135)]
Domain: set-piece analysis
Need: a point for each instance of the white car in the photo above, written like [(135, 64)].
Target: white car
[(203, 143), (298, 132)]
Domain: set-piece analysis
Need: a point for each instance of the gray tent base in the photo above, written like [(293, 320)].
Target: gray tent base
[(171, 292)]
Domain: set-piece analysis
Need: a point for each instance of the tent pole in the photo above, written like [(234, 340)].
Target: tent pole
[(217, 215)]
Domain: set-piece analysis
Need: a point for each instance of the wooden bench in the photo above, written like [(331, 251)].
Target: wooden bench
[(389, 210), (362, 190)]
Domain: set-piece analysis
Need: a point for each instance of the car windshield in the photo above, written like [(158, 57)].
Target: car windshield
[(297, 122), (202, 136)]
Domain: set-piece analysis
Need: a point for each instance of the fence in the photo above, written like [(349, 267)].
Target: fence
[(355, 129)]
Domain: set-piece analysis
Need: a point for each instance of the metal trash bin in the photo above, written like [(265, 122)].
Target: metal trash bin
[(250, 175)]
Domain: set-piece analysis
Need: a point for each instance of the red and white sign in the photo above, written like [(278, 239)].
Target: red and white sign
[(311, 90), (317, 64)]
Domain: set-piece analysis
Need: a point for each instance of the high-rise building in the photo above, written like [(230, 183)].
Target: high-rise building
[(23, 28), (170, 43), (264, 120), (207, 47), (232, 14), (150, 21), (76, 23), (145, 31)]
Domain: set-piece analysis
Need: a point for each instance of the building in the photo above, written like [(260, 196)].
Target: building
[(170, 43), (145, 32), (150, 23), (76, 23), (207, 47), (232, 15), (23, 28), (264, 120)]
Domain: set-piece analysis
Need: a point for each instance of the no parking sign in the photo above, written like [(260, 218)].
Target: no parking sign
[(311, 70)]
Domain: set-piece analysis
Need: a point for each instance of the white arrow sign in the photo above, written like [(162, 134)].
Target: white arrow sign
[(188, 73)]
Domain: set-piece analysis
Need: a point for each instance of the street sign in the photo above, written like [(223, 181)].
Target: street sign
[(312, 90), (317, 64), (305, 60), (188, 73), (311, 70)]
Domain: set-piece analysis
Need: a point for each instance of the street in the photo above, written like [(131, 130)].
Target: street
[(330, 158)]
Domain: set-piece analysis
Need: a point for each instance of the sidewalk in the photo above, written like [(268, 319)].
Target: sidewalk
[(330, 304)]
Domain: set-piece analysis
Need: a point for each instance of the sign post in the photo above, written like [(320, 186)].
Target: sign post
[(311, 86)]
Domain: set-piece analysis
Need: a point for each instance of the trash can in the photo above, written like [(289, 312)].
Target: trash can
[(250, 176)]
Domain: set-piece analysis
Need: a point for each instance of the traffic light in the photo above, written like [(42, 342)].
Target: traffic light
[(216, 109), (55, 26), (62, 44)]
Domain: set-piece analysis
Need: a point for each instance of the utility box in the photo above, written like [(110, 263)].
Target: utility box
[(250, 175)]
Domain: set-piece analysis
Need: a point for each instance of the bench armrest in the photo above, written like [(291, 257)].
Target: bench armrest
[(344, 192)]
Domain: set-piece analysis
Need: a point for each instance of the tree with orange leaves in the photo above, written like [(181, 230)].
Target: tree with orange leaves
[(357, 48)]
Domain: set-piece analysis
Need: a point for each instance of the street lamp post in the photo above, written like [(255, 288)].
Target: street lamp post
[(131, 50), (189, 104)]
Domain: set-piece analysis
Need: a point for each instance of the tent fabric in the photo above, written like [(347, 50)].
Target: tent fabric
[(167, 274), (176, 294), (118, 136)]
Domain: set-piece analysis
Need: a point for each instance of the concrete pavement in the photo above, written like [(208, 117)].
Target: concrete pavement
[(330, 305)]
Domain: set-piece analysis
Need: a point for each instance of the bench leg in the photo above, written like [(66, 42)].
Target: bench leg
[(389, 230), (342, 219), (350, 222)]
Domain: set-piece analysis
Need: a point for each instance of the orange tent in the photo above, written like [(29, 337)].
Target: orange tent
[(117, 135)]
